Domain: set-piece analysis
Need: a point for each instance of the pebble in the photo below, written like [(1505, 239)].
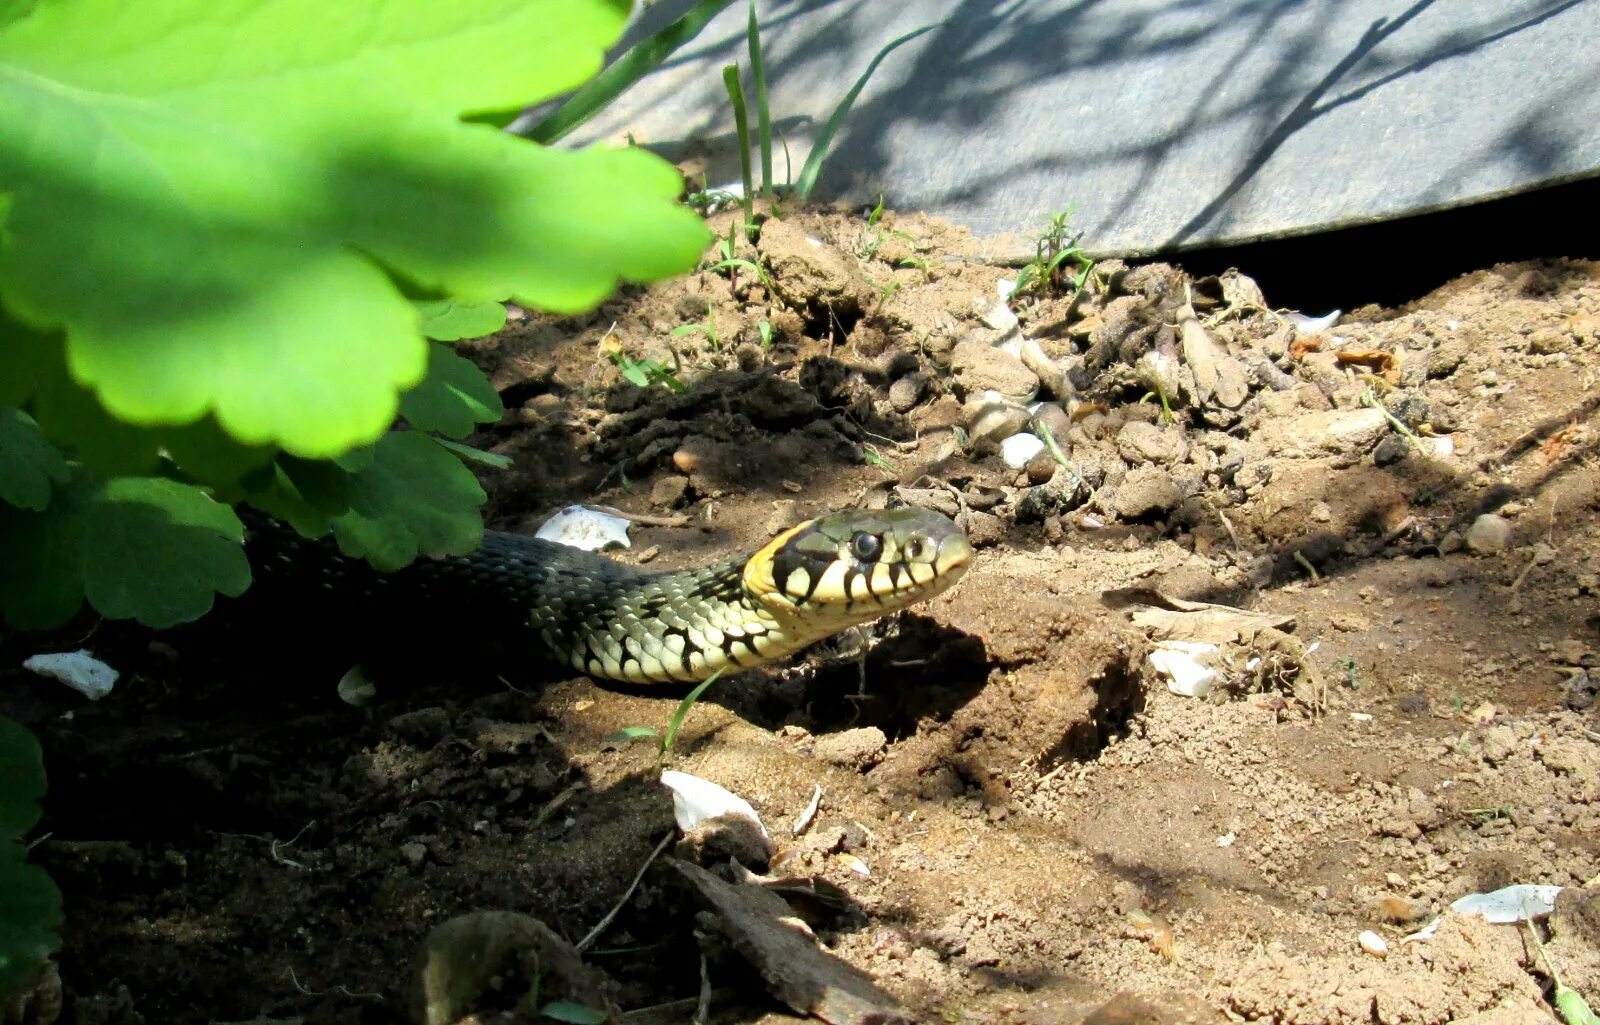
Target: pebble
[(979, 367), (1489, 534), (858, 749), (669, 492), (1146, 491), (906, 392), (1139, 442)]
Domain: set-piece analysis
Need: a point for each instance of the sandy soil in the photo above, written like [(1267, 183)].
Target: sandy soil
[(1022, 822)]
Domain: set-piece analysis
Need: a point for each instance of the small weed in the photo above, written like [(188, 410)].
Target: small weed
[(1574, 1009), (706, 201), (1352, 677), (707, 327), (886, 292), (727, 261), (667, 738), (811, 170), (646, 372), (1053, 251), (764, 329), (1483, 816), (871, 454)]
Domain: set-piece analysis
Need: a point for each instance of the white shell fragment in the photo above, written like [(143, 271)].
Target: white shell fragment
[(1181, 664), (1019, 449), (810, 813), (77, 669), (582, 527), (1305, 325), (1520, 902), (1373, 944), (1509, 904), (696, 801)]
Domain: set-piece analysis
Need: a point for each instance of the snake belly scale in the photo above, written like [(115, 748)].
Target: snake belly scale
[(617, 622)]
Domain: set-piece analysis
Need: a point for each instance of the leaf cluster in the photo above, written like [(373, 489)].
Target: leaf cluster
[(226, 249)]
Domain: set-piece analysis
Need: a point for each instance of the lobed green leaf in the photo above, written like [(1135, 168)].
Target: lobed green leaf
[(415, 498), (280, 164), (453, 399), (449, 320), (143, 548), (30, 904), (29, 464)]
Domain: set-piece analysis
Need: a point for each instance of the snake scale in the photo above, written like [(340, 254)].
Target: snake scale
[(620, 623)]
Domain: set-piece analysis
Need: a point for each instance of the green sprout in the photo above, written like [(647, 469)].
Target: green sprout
[(707, 327), (1053, 251), (665, 739)]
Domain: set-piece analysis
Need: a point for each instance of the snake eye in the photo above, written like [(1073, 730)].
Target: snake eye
[(866, 547)]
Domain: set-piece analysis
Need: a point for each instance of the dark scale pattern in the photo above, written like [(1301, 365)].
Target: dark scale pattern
[(577, 606), (614, 621)]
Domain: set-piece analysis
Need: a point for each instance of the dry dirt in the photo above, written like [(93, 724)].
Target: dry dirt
[(1025, 824)]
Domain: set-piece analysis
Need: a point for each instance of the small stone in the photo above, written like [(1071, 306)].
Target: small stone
[(422, 727), (1041, 468), (1146, 492), (858, 749), (1548, 340), (1499, 742), (906, 392), (1489, 534), (990, 421), (669, 492), (1139, 442), (415, 853), (1392, 449), (979, 367)]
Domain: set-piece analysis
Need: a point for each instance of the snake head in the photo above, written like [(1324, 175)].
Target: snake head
[(859, 564)]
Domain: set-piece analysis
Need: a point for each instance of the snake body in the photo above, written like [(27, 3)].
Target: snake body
[(621, 623)]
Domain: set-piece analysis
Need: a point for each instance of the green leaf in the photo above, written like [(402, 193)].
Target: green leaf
[(22, 780), (29, 464), (573, 1013), (448, 320), (24, 355), (142, 548), (812, 168), (453, 399), (645, 56), (218, 226), (628, 733), (30, 904), (477, 455), (415, 499), (1574, 1009), (30, 918)]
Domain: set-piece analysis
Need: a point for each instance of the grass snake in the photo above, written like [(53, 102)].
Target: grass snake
[(620, 623)]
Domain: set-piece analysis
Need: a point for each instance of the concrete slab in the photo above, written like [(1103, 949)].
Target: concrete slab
[(1168, 124)]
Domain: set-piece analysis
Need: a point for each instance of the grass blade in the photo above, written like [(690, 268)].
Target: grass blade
[(758, 74), (641, 59), (741, 124), (819, 152)]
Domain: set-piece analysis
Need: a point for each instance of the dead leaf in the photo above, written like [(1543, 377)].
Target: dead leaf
[(1300, 347), (1217, 375), (1379, 361), (1177, 619)]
